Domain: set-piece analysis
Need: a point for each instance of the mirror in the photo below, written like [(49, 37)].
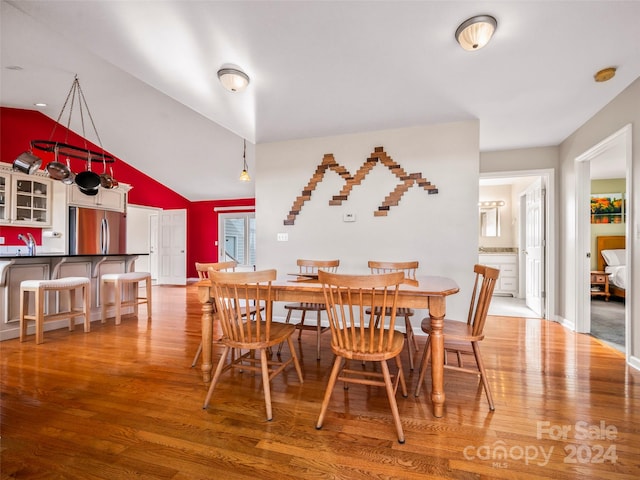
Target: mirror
[(489, 222)]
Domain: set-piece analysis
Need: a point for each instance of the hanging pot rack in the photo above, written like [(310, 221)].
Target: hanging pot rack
[(83, 152), (72, 151)]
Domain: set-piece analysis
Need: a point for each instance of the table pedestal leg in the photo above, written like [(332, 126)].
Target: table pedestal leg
[(207, 340), (437, 312)]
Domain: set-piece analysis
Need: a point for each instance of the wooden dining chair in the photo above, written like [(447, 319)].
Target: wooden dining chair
[(409, 268), (243, 302), (462, 338), (203, 268), (203, 273), (356, 335), (310, 268)]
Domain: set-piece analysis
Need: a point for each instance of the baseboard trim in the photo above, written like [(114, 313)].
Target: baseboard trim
[(634, 362)]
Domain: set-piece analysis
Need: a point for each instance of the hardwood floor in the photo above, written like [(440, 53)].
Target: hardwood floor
[(123, 402)]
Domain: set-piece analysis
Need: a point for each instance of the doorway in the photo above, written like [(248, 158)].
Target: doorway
[(531, 215), (172, 247), (610, 158)]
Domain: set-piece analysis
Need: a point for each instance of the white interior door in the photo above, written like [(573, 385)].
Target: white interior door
[(172, 248), (534, 247)]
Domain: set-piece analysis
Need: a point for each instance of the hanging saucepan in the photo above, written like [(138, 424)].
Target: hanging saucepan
[(88, 181), (114, 182), (58, 170), (71, 179), (106, 180), (27, 163)]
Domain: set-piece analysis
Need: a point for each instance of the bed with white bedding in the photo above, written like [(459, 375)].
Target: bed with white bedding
[(611, 258)]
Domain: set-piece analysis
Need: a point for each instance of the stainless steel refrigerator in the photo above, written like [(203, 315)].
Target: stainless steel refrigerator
[(95, 232)]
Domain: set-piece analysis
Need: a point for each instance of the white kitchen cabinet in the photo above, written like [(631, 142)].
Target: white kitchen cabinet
[(30, 200), (507, 263), (107, 199)]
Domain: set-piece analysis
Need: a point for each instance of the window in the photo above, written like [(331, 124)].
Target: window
[(237, 239)]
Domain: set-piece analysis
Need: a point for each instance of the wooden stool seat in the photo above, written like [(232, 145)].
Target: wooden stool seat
[(39, 288), (120, 280)]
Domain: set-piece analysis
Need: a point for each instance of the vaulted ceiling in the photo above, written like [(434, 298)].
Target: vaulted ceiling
[(317, 68)]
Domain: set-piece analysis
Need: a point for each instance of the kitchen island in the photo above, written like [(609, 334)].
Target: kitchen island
[(44, 266)]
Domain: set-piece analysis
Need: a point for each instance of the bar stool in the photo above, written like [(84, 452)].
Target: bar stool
[(39, 288), (120, 280)]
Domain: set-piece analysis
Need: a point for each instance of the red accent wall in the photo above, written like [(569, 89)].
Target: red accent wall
[(18, 127), (204, 230)]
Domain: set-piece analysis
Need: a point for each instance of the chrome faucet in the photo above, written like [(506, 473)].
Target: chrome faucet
[(30, 242)]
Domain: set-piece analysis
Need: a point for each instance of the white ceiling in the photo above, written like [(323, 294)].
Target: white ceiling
[(317, 68)]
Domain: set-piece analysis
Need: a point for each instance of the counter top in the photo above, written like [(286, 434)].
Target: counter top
[(63, 255), (57, 260), (497, 250)]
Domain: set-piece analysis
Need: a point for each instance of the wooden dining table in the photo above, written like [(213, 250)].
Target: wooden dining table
[(423, 292)]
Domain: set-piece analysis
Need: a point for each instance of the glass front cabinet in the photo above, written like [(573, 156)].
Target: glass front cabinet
[(31, 200)]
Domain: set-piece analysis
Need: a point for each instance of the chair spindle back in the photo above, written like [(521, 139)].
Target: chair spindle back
[(203, 268), (312, 266), (243, 303), (347, 298), (409, 268), (483, 286)]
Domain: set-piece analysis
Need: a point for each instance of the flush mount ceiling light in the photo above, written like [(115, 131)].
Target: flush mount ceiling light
[(244, 176), (605, 74), (233, 79), (475, 33)]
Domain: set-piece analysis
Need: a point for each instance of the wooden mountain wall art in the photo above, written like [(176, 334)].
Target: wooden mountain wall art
[(407, 180)]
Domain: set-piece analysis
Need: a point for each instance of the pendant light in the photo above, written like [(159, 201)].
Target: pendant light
[(244, 176)]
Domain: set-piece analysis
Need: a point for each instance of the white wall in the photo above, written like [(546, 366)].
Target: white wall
[(439, 230), (621, 111), (519, 159)]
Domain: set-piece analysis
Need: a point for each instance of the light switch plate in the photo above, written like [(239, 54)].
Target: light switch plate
[(283, 237), (349, 217), (1, 240)]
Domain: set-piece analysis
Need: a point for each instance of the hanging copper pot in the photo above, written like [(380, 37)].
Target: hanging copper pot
[(106, 180), (114, 182)]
